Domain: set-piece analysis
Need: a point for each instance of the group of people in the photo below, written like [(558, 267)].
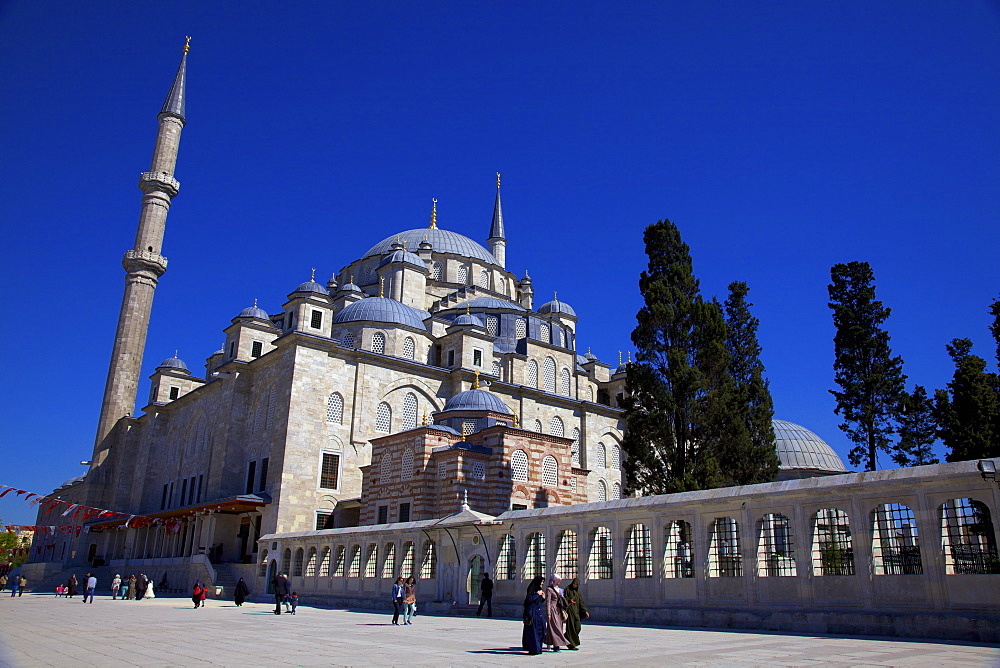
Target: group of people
[(552, 616), (17, 584), (404, 599), (283, 594), (133, 588)]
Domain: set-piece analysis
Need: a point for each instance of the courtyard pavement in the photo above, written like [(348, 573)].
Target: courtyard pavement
[(41, 630)]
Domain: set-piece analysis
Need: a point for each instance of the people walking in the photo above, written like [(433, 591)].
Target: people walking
[(140, 587), (88, 593), (22, 584), (534, 617), (15, 583), (576, 610), (130, 587), (293, 600), (149, 593), (3, 581), (555, 605), (410, 600), (281, 590), (196, 593), (397, 600), (71, 586), (242, 591), (485, 596), (116, 585)]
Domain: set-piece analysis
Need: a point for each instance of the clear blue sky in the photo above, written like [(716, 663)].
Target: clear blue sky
[(782, 137)]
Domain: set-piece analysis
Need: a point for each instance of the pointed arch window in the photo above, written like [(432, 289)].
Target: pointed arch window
[(968, 540), (262, 571), (601, 557), (484, 279), (463, 274), (324, 563), (602, 490), (724, 557), (602, 456), (436, 271), (335, 408), (507, 560), (566, 383), (409, 411), (409, 348), (519, 466), (520, 328), (775, 554), (338, 563), (378, 343), (286, 560), (383, 418), (567, 555), (311, 563), (355, 569), (576, 447), (556, 426), (896, 544), (270, 408), (532, 373), (496, 369), (406, 567), (538, 426), (371, 563), (550, 471), (406, 467), (347, 340), (534, 558), (549, 375), (833, 549), (428, 565), (616, 456), (544, 332), (492, 325), (678, 554), (616, 490), (385, 470), (389, 561), (297, 566)]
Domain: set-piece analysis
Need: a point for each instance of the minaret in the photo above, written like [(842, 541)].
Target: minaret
[(143, 264), (497, 241)]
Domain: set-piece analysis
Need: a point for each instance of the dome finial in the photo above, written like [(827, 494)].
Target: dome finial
[(434, 214), (467, 308), (517, 423), (498, 180), (175, 354), (475, 382), (187, 43), (425, 420), (630, 357), (312, 274), (619, 358), (381, 286), (555, 296), (255, 302)]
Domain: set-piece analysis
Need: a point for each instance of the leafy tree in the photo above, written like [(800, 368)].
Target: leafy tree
[(752, 397), (917, 429), (995, 326), (870, 378), (968, 412)]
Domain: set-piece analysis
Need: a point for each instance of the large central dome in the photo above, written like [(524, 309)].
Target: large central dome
[(441, 241)]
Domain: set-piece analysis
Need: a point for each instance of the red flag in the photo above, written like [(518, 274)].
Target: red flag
[(29, 496), (88, 513), (9, 489)]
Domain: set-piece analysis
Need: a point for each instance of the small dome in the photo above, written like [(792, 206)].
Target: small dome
[(381, 309), (477, 400), (799, 448), (403, 256), (467, 320), (589, 356), (622, 368), (556, 306), (173, 364), (312, 286), (349, 287), (253, 312)]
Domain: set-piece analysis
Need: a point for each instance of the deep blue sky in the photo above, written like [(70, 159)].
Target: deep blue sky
[(782, 137)]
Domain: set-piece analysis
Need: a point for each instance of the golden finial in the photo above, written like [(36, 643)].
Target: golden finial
[(426, 421), (381, 286), (630, 357), (404, 244), (466, 429), (352, 278), (619, 358), (475, 382), (255, 302), (498, 179), (434, 214), (312, 274), (517, 423), (467, 308), (187, 43)]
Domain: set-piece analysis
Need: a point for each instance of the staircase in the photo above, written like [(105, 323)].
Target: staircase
[(47, 585)]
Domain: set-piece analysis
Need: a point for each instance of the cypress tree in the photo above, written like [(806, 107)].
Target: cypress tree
[(870, 378), (917, 429), (969, 410)]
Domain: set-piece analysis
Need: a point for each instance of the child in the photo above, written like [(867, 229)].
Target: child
[(294, 600), (59, 591)]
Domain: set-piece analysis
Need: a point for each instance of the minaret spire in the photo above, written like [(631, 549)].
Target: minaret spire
[(143, 264), (497, 241)]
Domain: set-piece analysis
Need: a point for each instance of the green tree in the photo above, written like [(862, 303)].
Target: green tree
[(917, 429), (758, 462), (968, 412), (871, 380), (995, 327)]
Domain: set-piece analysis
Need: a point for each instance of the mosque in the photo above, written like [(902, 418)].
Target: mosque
[(422, 376)]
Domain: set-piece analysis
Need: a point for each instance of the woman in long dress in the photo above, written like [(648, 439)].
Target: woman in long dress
[(576, 610), (242, 591), (534, 618), (149, 590), (71, 586), (555, 605)]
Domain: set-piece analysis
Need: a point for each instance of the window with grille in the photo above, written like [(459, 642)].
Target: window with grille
[(409, 348), (428, 566), (383, 515), (324, 563), (550, 471), (556, 426), (378, 343), (602, 456), (724, 557), (355, 569), (520, 328), (496, 369), (484, 279), (895, 543), (389, 561), (567, 555), (436, 271), (463, 274), (383, 418), (544, 332), (335, 408), (602, 490), (406, 567), (832, 551), (616, 456), (264, 465), (557, 336), (404, 512), (311, 563), (519, 466), (549, 375), (371, 563), (506, 568), (775, 553), (538, 426), (385, 469), (316, 319), (492, 323), (297, 564), (329, 475), (576, 447), (479, 470), (967, 538), (324, 520), (601, 559), (258, 416), (616, 490), (534, 557), (532, 373), (262, 568), (256, 349), (638, 553), (409, 411), (271, 398), (468, 427), (406, 465), (347, 340), (567, 383), (678, 551), (338, 563)]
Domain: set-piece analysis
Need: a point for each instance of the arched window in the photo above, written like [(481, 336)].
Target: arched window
[(724, 557), (507, 560), (602, 490), (409, 411), (324, 563), (566, 383), (534, 558), (383, 418), (576, 447), (550, 471), (638, 553), (335, 408), (895, 543), (406, 466), (270, 408), (347, 340), (258, 415), (286, 560), (297, 565), (967, 538), (496, 369), (775, 554), (389, 561), (355, 569), (520, 328), (678, 553), (409, 348), (538, 426), (484, 279), (601, 563), (428, 566), (311, 563), (616, 491), (590, 392), (463, 274), (832, 550), (556, 426), (492, 325), (519, 466), (544, 333), (549, 375), (371, 563), (602, 456), (338, 563), (406, 567), (616, 456), (378, 343), (532, 373), (262, 569), (385, 469), (567, 556), (436, 271)]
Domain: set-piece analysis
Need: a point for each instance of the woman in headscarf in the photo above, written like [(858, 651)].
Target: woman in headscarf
[(196, 593), (576, 610), (534, 618), (71, 586), (555, 605), (242, 591)]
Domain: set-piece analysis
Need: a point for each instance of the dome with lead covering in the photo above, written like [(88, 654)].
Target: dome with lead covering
[(489, 303), (800, 451), (477, 400), (467, 320), (173, 364), (403, 256), (254, 312), (556, 306), (312, 286), (381, 309), (442, 241)]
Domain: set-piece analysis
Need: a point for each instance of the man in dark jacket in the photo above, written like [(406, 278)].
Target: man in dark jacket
[(281, 590), (486, 596), (140, 586)]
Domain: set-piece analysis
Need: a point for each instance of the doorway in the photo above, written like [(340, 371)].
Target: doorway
[(272, 570), (476, 567)]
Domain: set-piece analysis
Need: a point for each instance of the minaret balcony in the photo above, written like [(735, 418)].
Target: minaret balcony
[(139, 260), (159, 181)]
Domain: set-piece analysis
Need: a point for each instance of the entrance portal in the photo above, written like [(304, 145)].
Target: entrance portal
[(476, 567), (272, 570)]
